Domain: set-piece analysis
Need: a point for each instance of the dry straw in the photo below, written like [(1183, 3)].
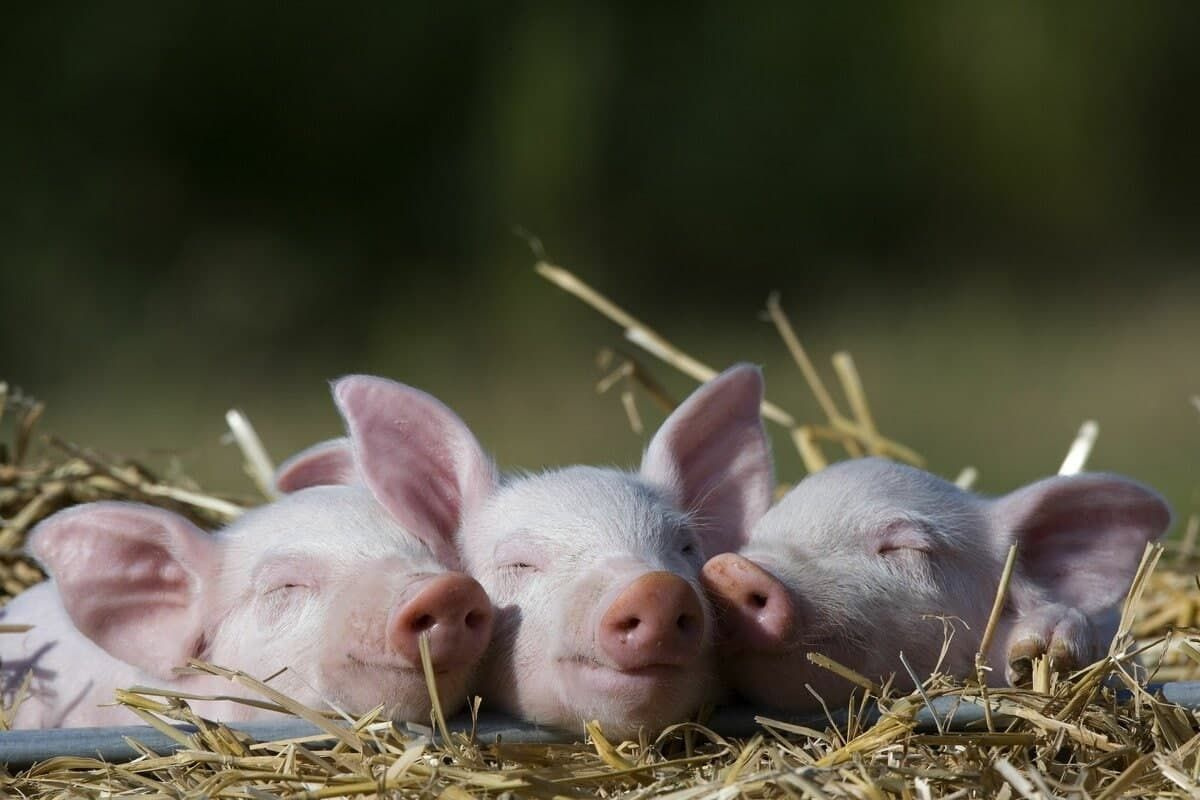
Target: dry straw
[(1095, 734)]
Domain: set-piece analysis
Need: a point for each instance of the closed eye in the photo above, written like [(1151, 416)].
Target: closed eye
[(287, 573), (287, 586), (886, 549), (521, 566), (521, 553), (904, 536)]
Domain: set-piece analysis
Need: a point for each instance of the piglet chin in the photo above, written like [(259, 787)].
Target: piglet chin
[(361, 684), (587, 677), (623, 701)]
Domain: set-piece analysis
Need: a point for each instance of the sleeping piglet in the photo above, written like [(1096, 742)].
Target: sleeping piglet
[(594, 571), (335, 583), (858, 560)]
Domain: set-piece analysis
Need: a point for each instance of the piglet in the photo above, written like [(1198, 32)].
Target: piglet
[(594, 571), (335, 582), (860, 561)]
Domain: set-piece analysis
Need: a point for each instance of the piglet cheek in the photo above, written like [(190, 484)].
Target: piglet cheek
[(755, 610), (586, 598), (356, 625)]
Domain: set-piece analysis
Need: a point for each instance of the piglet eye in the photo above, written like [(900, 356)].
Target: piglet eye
[(519, 555), (520, 566), (904, 536)]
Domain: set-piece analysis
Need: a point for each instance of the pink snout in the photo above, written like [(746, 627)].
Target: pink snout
[(657, 620), (754, 607), (456, 613)]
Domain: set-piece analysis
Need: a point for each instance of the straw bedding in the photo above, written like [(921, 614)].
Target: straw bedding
[(1098, 733)]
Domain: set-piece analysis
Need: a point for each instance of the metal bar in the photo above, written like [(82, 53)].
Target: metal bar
[(23, 748)]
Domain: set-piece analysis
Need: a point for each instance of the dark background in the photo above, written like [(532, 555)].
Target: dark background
[(993, 206)]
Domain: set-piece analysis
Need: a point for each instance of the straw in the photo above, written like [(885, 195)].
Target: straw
[(641, 335), (257, 463), (854, 435), (1081, 448)]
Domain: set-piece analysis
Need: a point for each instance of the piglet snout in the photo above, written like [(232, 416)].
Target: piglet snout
[(755, 608), (656, 620), (456, 613)]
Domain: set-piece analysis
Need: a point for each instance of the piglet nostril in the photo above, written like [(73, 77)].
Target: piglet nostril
[(628, 624), (686, 623), (757, 600), (422, 623), (476, 619)]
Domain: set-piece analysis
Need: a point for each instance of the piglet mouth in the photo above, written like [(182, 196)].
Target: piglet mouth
[(594, 689), (644, 670), (606, 677)]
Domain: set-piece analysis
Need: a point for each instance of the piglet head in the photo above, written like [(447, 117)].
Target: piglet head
[(423, 469), (326, 583), (858, 563), (595, 571), (868, 558), (337, 583), (323, 583)]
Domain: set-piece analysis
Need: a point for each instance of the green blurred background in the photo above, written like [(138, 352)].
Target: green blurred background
[(993, 206)]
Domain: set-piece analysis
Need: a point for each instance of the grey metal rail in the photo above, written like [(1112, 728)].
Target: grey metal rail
[(21, 749)]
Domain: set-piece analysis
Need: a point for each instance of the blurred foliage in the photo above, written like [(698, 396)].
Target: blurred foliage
[(994, 205)]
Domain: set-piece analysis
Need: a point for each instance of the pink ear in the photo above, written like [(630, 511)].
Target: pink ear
[(1081, 537), (713, 454), (417, 457), (133, 579), (329, 463)]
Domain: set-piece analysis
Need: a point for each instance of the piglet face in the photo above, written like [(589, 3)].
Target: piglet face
[(325, 583), (858, 563), (335, 583), (595, 575), (595, 571), (395, 490)]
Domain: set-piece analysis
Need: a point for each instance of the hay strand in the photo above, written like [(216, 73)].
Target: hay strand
[(1081, 448), (643, 336), (817, 386), (854, 435), (257, 464)]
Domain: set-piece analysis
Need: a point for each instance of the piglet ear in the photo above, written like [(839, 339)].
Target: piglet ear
[(329, 463), (133, 579), (417, 457), (1081, 537), (712, 454)]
